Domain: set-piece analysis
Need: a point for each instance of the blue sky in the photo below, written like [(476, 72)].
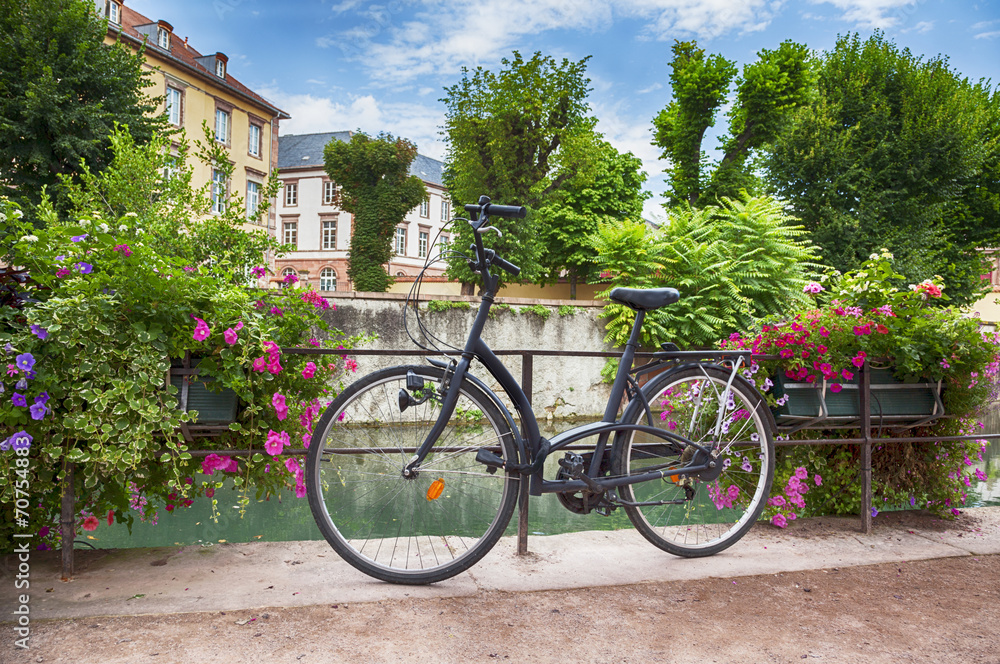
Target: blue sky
[(354, 64)]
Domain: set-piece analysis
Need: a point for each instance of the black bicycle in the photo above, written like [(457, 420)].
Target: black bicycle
[(413, 471)]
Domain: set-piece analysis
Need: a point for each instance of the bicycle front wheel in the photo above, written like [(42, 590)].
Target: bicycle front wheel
[(418, 529), (688, 516)]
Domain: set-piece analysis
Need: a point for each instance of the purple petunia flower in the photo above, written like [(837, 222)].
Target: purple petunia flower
[(42, 398), (79, 238), (21, 440), (18, 400), (39, 332), (38, 411), (84, 268), (25, 361)]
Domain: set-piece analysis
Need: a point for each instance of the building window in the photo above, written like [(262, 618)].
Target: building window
[(292, 233), (400, 241), (425, 208), (170, 167), (163, 38), (220, 68), (288, 271), (445, 209), (113, 11), (443, 243), (253, 201), (221, 126), (174, 106), (329, 192), (422, 245), (327, 279), (253, 146), (329, 234), (218, 191), (292, 193), (400, 274)]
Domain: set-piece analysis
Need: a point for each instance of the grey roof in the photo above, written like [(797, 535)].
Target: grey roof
[(306, 150)]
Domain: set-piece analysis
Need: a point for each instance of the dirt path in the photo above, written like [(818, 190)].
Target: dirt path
[(927, 611)]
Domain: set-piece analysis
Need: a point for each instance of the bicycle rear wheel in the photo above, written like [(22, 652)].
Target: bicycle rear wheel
[(706, 516), (413, 530)]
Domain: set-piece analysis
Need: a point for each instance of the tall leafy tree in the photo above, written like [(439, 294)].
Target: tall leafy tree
[(605, 184), (897, 152), (61, 92), (378, 190), (768, 89), (506, 131)]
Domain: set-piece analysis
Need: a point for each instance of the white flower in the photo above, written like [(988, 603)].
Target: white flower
[(130, 214), (30, 238), (17, 214), (3, 217), (84, 222), (103, 227), (123, 227)]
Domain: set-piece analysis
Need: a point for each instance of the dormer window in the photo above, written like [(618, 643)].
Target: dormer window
[(163, 38), (113, 12), (220, 68)]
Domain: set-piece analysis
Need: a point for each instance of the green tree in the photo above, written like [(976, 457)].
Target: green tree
[(378, 190), (61, 91), (506, 132), (607, 185), (896, 152), (769, 88)]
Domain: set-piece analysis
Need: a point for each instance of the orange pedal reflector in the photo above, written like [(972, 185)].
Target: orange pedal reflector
[(435, 489), (674, 478)]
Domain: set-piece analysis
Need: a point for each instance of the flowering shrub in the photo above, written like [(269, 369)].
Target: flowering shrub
[(870, 316), (104, 310)]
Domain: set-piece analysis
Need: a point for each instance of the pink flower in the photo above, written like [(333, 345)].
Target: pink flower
[(209, 492), (239, 326), (292, 465), (275, 442), (309, 371), (350, 365), (62, 272), (779, 521), (836, 387), (258, 271), (316, 300), (291, 279), (273, 365), (260, 364), (818, 480), (300, 490), (314, 342), (847, 375), (277, 311), (124, 248), (230, 336), (813, 287), (278, 401), (215, 462), (201, 330), (271, 348), (306, 439), (90, 523), (859, 359), (776, 501), (801, 473)]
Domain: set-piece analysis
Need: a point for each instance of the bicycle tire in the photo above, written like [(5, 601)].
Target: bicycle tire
[(714, 514), (394, 528)]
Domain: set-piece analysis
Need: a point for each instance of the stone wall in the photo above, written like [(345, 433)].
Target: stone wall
[(561, 386)]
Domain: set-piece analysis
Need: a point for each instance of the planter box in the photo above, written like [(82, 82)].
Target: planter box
[(194, 393), (891, 400)]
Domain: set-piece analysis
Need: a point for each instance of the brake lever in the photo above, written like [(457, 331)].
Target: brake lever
[(491, 228)]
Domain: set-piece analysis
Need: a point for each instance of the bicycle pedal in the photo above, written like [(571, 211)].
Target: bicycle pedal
[(572, 463)]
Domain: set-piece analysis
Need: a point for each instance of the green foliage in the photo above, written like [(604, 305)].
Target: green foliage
[(568, 310), (605, 184), (506, 134), (61, 92), (777, 82), (155, 190), (498, 309), (108, 305), (732, 263), (448, 305), (378, 190), (896, 151), (535, 310)]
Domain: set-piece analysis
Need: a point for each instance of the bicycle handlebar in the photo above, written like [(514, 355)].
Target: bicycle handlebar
[(488, 209)]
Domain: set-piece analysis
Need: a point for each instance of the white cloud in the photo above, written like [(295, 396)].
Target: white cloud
[(988, 35), (314, 114), (873, 13), (652, 88), (445, 35)]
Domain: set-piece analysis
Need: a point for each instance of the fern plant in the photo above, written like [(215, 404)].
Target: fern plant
[(732, 263)]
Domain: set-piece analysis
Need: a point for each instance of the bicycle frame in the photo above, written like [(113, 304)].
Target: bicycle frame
[(530, 442)]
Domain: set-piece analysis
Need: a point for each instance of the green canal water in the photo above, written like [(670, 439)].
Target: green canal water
[(289, 518)]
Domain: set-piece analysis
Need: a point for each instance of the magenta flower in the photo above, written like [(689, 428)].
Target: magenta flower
[(278, 401), (818, 480), (273, 364), (847, 375), (292, 465), (258, 271), (277, 311), (309, 371), (776, 501), (801, 473), (201, 330), (239, 325), (813, 287), (836, 387), (271, 348), (779, 520), (62, 272), (350, 365), (275, 442), (260, 364), (314, 342), (290, 279), (124, 249), (859, 359), (230, 336)]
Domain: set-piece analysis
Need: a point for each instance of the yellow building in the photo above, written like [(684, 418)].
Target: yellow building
[(199, 88)]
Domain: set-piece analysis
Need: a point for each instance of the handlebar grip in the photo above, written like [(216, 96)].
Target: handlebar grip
[(491, 210), (506, 265)]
